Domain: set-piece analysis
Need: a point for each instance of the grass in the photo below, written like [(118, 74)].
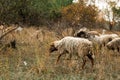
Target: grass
[(32, 61)]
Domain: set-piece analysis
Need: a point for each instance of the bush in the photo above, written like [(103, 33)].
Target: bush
[(33, 12), (79, 14)]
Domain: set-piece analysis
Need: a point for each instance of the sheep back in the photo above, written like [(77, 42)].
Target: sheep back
[(114, 44)]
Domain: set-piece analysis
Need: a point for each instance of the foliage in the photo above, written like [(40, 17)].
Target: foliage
[(110, 14), (12, 10), (79, 14), (116, 12), (30, 11)]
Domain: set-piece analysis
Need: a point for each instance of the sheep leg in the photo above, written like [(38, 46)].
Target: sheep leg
[(84, 62), (91, 59), (118, 49), (70, 56), (92, 62), (59, 57)]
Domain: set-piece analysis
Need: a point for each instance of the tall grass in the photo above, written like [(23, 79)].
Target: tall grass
[(32, 60)]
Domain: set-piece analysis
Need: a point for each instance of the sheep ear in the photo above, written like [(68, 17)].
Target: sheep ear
[(110, 39), (90, 52)]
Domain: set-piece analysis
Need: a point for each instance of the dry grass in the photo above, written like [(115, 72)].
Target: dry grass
[(32, 61)]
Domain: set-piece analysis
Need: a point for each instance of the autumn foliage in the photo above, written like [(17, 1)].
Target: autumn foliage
[(78, 14)]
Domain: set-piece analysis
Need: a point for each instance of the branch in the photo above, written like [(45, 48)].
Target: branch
[(8, 32)]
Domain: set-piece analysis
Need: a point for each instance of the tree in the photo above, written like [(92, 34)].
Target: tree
[(80, 14), (116, 11), (31, 11), (110, 14), (13, 11), (49, 9)]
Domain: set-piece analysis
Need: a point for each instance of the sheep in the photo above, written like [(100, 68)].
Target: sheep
[(114, 44), (99, 40), (81, 33), (74, 46), (96, 37), (86, 34), (102, 40)]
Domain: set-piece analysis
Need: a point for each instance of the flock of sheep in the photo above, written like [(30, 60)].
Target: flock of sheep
[(81, 44)]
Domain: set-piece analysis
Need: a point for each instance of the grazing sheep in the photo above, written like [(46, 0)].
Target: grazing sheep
[(74, 46), (81, 33), (102, 40), (86, 34), (114, 44)]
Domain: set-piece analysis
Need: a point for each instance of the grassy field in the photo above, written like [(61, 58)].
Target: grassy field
[(32, 61)]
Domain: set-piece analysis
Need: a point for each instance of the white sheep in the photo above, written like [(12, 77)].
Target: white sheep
[(86, 33), (102, 40), (74, 46), (107, 38), (114, 44)]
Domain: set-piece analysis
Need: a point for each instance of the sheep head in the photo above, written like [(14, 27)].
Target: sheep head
[(91, 55), (81, 34), (52, 48), (109, 46)]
